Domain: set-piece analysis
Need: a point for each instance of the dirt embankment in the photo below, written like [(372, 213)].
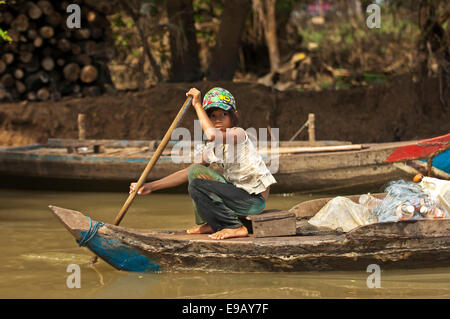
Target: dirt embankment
[(399, 110)]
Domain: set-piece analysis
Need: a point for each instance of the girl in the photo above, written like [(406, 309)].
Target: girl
[(243, 188)]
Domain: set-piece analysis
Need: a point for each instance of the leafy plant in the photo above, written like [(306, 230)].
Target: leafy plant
[(4, 34), (375, 77)]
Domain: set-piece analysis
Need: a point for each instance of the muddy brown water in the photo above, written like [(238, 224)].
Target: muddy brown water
[(36, 251)]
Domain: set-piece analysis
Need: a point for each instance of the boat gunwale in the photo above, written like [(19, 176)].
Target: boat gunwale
[(99, 157)]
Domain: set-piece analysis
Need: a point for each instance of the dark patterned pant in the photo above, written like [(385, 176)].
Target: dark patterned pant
[(218, 202)]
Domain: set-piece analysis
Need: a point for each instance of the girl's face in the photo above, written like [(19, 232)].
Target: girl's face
[(221, 119)]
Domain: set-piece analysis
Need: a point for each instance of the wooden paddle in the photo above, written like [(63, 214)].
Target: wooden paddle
[(153, 160), (151, 163)]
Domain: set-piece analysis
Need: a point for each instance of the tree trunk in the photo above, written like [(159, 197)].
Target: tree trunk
[(225, 54), (185, 63), (135, 16), (433, 44), (270, 33)]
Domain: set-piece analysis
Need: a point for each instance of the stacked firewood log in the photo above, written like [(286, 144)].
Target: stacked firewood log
[(46, 58)]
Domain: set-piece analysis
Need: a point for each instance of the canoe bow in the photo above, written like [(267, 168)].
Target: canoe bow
[(104, 244)]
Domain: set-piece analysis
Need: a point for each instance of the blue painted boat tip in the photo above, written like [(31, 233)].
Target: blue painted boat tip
[(121, 256)]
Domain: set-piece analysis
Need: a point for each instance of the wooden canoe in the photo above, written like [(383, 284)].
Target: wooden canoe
[(404, 244), (327, 165)]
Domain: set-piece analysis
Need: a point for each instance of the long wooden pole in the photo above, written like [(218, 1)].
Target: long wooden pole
[(153, 160), (314, 149), (150, 164)]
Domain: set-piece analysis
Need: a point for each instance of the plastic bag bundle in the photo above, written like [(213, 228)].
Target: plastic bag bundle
[(403, 201), (428, 199)]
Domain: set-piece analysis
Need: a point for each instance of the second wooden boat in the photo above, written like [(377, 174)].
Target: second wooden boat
[(298, 168)]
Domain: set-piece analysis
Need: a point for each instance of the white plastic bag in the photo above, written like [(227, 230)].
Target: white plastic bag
[(437, 189), (343, 213), (369, 201)]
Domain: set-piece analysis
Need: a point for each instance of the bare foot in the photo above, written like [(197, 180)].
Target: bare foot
[(202, 229), (229, 233)]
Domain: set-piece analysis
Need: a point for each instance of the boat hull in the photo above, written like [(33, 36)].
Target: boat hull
[(406, 244)]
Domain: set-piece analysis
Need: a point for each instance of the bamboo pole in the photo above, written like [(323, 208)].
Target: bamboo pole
[(314, 149)]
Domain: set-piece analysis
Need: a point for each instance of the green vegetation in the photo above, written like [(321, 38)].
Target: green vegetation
[(4, 34), (339, 50), (369, 55)]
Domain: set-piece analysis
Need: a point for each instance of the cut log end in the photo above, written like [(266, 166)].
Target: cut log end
[(47, 60), (71, 72), (43, 94), (89, 74), (47, 32)]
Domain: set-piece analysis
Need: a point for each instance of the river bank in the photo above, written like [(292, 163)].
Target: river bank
[(393, 111)]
